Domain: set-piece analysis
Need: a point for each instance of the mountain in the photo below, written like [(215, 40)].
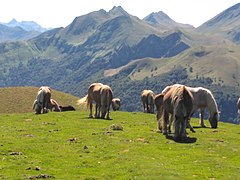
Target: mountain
[(162, 20), (129, 54), (26, 25), (16, 31), (227, 23)]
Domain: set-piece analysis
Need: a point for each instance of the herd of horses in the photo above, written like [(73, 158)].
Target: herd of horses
[(175, 105)]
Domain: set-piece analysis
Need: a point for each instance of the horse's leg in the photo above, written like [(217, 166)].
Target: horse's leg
[(183, 129), (177, 129), (189, 125), (201, 114), (90, 109), (96, 111), (165, 122), (144, 107), (170, 124), (108, 114), (148, 109), (159, 118)]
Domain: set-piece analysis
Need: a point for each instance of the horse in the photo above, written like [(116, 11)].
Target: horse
[(116, 104), (67, 108), (102, 95), (178, 102), (54, 106), (202, 99), (147, 98), (238, 105), (42, 102)]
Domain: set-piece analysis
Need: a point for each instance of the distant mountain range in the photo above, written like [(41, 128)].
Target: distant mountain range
[(130, 54), (15, 30)]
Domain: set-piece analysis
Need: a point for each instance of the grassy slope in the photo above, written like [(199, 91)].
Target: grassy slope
[(219, 62), (20, 99), (53, 144)]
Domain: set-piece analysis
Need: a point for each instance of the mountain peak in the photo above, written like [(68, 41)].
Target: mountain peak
[(163, 20), (13, 22), (158, 18), (118, 10), (229, 18)]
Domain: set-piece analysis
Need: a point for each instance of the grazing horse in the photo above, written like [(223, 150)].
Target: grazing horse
[(202, 99), (178, 102), (238, 105), (67, 108), (102, 95), (147, 97), (42, 102), (116, 104), (54, 106)]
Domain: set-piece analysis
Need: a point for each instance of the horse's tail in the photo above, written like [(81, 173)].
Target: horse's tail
[(109, 98), (159, 105), (84, 100), (34, 104)]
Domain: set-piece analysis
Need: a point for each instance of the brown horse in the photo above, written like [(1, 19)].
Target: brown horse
[(42, 102), (202, 99), (178, 102), (238, 105), (100, 94), (147, 97)]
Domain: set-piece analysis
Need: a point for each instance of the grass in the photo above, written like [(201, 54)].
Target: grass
[(69, 145)]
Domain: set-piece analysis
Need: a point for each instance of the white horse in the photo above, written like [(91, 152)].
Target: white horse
[(147, 97), (202, 99), (42, 102)]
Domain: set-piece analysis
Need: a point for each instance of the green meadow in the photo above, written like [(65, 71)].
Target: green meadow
[(69, 145)]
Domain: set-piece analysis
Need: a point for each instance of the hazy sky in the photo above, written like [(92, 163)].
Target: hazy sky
[(60, 13)]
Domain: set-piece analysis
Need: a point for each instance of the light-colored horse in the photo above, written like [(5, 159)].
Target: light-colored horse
[(54, 106), (202, 99), (100, 94), (116, 104), (178, 102), (238, 105), (42, 102), (147, 98)]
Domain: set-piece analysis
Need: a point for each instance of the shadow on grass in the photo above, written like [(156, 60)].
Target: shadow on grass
[(186, 140), (96, 118), (198, 127)]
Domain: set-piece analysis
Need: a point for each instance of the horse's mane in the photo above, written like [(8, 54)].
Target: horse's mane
[(212, 104)]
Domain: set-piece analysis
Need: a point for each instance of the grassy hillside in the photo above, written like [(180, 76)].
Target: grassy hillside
[(69, 145), (218, 62), (20, 99)]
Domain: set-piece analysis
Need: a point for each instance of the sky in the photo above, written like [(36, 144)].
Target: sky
[(60, 13)]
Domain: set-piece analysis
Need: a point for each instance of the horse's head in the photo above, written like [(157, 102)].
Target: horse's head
[(116, 104), (214, 120)]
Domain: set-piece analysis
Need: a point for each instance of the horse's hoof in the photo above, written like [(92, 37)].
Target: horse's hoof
[(177, 138)]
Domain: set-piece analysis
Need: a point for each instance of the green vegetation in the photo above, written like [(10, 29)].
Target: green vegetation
[(69, 145)]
